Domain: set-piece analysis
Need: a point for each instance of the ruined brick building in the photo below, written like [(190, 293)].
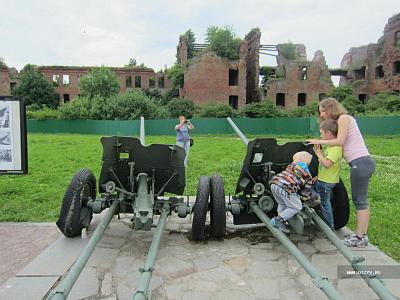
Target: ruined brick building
[(376, 67), (209, 77), (66, 80), (297, 81)]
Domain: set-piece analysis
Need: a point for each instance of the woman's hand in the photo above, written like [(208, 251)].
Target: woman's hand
[(313, 142)]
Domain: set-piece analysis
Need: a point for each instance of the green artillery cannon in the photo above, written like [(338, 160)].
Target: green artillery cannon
[(256, 204), (132, 179)]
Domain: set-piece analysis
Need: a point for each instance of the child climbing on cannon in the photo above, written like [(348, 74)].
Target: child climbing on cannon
[(290, 187)]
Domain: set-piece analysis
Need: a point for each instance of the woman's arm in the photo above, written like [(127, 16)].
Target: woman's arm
[(190, 126), (343, 126)]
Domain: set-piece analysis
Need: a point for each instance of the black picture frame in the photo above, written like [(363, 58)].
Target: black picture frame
[(13, 136)]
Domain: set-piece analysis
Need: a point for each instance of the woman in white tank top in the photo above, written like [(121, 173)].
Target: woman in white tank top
[(357, 156)]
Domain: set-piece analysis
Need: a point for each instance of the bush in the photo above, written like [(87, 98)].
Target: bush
[(341, 92), (353, 105), (77, 109), (217, 110), (310, 109), (180, 107), (264, 109), (42, 114), (381, 102)]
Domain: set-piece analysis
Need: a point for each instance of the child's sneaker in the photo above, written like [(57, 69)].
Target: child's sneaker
[(354, 241), (280, 224)]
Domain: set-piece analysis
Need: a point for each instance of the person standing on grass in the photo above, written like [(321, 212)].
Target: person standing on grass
[(357, 156), (182, 135), (328, 169)]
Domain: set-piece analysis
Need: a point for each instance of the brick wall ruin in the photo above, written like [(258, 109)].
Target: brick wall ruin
[(298, 81), (65, 80), (376, 67)]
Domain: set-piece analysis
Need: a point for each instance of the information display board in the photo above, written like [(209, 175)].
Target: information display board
[(13, 137)]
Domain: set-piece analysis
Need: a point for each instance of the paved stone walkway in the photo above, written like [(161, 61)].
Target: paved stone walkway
[(249, 264)]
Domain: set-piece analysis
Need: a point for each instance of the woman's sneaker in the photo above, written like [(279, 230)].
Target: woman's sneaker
[(354, 241), (280, 224)]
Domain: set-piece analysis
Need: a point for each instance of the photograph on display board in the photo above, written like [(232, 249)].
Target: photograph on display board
[(5, 138), (4, 114), (5, 156)]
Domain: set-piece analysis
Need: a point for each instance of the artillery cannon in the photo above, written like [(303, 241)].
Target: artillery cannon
[(132, 179), (264, 158)]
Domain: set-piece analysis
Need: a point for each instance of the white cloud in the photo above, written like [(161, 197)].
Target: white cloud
[(110, 32)]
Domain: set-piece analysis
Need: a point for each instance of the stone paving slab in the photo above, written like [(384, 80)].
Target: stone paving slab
[(249, 264)]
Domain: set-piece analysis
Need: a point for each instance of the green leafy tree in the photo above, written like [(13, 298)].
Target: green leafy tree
[(132, 63), (35, 89), (264, 109), (175, 74), (223, 41), (101, 81), (181, 107), (2, 62), (288, 50), (217, 110), (79, 109), (191, 39), (341, 92)]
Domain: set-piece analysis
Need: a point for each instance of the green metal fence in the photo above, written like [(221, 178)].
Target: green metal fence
[(386, 125)]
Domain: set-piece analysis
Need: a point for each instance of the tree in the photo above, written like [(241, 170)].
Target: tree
[(308, 110), (35, 89), (181, 107), (2, 62), (101, 81), (353, 105), (217, 110), (132, 63), (191, 39), (223, 41), (341, 92), (175, 74)]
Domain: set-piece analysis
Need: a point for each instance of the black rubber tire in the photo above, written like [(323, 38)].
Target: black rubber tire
[(217, 207), (340, 205), (200, 209), (74, 215)]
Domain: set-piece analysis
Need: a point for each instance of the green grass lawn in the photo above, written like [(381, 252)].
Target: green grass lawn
[(54, 159)]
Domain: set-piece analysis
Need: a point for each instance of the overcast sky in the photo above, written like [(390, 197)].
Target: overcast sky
[(97, 32)]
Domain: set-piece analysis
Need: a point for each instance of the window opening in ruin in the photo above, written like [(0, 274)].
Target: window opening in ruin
[(13, 85), (280, 99), (321, 96), (233, 77), (233, 101), (56, 80), (362, 98), (128, 81), (66, 98), (301, 99), (303, 73), (138, 81), (397, 39), (379, 72), (161, 82), (359, 74), (65, 79), (396, 67), (152, 82)]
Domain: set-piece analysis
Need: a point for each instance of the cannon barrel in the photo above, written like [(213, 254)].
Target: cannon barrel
[(142, 132), (63, 289), (238, 132)]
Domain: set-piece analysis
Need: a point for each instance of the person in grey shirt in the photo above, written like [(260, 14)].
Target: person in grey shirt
[(182, 135)]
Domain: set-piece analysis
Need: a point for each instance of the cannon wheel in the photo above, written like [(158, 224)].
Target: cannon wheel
[(74, 215), (340, 205), (200, 209), (217, 208)]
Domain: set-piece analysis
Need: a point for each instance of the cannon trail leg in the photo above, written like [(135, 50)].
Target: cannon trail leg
[(356, 261), (143, 285), (319, 281), (65, 286)]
